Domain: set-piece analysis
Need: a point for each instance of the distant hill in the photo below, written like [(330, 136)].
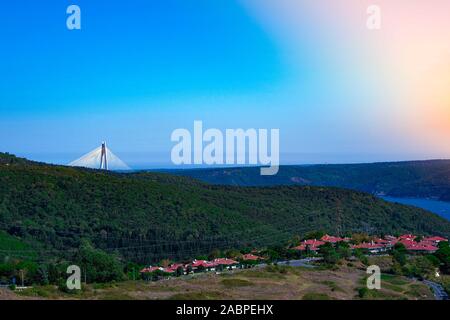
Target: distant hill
[(144, 216), (421, 179)]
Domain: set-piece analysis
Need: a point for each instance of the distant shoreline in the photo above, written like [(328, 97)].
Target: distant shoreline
[(441, 208)]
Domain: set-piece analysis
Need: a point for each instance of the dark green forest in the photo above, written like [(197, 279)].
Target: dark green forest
[(48, 211), (418, 179)]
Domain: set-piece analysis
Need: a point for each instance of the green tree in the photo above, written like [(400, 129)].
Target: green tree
[(399, 253), (343, 249), (422, 267), (443, 254), (216, 253), (329, 254), (359, 253), (97, 265), (179, 272), (295, 241), (272, 254), (433, 259), (43, 275), (132, 270), (314, 235), (360, 237), (246, 250), (232, 253)]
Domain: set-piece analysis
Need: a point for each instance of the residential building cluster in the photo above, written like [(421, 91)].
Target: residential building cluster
[(204, 265), (411, 242)]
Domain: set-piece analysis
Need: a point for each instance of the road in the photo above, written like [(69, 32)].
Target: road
[(306, 263), (438, 290)]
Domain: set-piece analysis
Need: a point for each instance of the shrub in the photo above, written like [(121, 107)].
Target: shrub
[(232, 283), (316, 296)]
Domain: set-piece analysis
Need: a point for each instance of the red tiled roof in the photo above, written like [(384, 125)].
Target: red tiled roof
[(301, 247), (410, 243), (312, 245), (173, 267), (250, 256), (418, 246), (407, 236), (427, 242), (214, 263), (435, 238), (422, 247), (331, 239), (393, 242), (313, 242), (204, 263), (365, 245), (224, 261), (150, 269)]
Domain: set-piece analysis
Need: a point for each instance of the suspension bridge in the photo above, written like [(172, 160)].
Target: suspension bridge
[(100, 158)]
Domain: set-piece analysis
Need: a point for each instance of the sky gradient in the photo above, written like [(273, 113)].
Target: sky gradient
[(139, 69)]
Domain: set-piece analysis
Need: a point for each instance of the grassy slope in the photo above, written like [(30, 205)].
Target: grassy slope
[(279, 283), (156, 215), (11, 246)]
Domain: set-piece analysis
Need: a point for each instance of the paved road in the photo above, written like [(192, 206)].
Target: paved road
[(300, 263), (438, 290), (294, 263)]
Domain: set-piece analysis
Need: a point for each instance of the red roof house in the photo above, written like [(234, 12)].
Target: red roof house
[(224, 262), (204, 263), (422, 247), (407, 237), (151, 269), (331, 239), (407, 242), (435, 239), (311, 244), (381, 241), (372, 246), (173, 268), (251, 257)]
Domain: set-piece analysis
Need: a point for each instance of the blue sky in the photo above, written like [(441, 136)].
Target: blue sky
[(134, 66), (128, 51), (140, 69)]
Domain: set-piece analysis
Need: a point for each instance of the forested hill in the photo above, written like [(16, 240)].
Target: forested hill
[(148, 215), (421, 179)]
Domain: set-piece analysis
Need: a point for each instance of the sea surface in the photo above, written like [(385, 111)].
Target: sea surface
[(441, 208)]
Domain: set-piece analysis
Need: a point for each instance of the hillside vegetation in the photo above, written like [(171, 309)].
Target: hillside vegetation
[(421, 179), (150, 216)]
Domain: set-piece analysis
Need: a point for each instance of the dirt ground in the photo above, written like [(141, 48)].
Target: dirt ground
[(278, 283)]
